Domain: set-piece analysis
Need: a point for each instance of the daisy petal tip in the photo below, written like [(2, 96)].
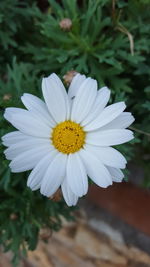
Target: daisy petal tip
[(5, 153), (10, 165), (106, 89), (43, 81), (43, 192), (106, 185), (24, 96), (3, 139), (104, 93), (122, 103), (13, 170), (33, 187), (132, 137), (132, 119), (92, 81), (28, 184), (131, 133), (3, 143), (53, 76), (29, 181), (70, 204), (6, 115), (73, 204), (79, 75), (111, 183), (124, 165)]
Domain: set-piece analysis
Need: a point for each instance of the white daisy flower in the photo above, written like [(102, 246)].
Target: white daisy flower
[(68, 137)]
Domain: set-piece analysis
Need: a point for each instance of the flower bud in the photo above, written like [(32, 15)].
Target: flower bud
[(65, 24), (7, 97), (57, 196), (13, 216), (69, 76)]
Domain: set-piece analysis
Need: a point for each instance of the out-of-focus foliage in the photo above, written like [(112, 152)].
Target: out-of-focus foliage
[(109, 41)]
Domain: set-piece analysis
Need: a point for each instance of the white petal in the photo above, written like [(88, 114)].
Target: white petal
[(76, 175), (28, 124), (9, 112), (56, 98), (13, 138), (95, 169), (54, 175), (117, 174), (25, 145), (102, 99), (108, 156), (36, 176), (70, 198), (108, 114), (75, 85), (28, 160), (103, 96), (37, 106), (124, 120), (109, 137), (84, 100)]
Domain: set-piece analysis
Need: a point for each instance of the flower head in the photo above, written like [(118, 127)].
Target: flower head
[(68, 137)]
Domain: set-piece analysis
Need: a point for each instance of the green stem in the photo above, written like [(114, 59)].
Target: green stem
[(139, 131)]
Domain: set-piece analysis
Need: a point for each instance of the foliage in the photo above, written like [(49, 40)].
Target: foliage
[(109, 41)]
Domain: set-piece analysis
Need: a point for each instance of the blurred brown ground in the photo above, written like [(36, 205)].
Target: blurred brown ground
[(83, 243)]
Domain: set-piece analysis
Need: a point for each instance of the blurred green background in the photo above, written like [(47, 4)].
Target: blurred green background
[(109, 41)]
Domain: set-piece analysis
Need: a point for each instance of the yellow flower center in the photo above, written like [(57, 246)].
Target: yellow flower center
[(68, 137)]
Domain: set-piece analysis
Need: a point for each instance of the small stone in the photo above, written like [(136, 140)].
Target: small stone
[(138, 256), (105, 228), (69, 76), (97, 248), (65, 24), (65, 255), (39, 257)]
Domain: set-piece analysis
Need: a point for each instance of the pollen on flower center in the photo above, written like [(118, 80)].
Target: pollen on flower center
[(68, 137)]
